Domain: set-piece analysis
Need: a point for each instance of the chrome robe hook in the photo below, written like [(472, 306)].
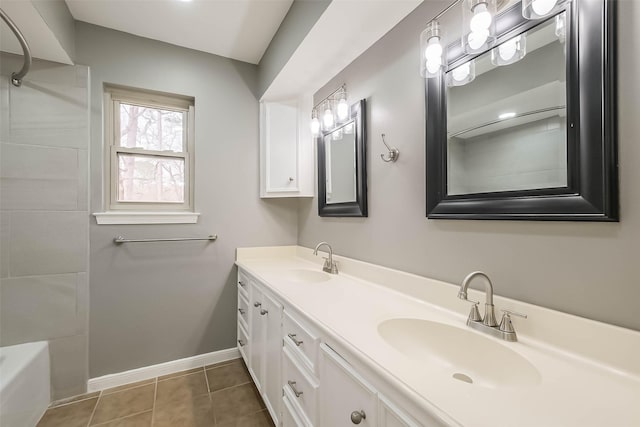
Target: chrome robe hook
[(394, 153)]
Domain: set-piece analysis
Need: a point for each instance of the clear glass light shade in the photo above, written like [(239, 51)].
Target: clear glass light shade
[(315, 123), (478, 25), (462, 74), (327, 117), (537, 9), (343, 108), (510, 51), (431, 51)]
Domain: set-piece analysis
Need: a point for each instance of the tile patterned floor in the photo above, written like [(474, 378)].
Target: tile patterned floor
[(220, 395)]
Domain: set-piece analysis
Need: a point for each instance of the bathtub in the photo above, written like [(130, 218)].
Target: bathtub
[(24, 384)]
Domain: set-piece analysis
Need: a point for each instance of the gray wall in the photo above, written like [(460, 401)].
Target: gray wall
[(301, 17), (60, 21), (155, 302), (588, 269), (44, 216)]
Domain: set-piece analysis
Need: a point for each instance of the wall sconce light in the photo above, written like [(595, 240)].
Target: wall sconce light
[(478, 25), (462, 74), (537, 9), (431, 51), (333, 109), (509, 52)]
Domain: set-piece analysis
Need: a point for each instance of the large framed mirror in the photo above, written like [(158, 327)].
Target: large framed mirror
[(342, 170), (527, 129)]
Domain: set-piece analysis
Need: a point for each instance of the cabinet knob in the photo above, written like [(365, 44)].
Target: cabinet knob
[(263, 312), (292, 337), (358, 416), (241, 283), (257, 304), (241, 311), (292, 384), (291, 179), (241, 343)]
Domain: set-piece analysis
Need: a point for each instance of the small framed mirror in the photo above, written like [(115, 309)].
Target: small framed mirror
[(527, 129), (342, 171)]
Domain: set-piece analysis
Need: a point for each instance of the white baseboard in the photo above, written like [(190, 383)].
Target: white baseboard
[(148, 372)]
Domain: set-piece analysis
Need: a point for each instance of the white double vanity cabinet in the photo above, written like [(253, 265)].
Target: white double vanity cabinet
[(301, 377), (377, 347)]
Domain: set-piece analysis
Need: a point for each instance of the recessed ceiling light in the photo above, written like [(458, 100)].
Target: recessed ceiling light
[(506, 115)]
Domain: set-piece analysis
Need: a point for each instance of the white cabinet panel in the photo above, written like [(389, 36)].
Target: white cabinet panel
[(257, 337), (392, 416), (304, 342), (301, 388), (286, 149), (344, 393), (272, 319)]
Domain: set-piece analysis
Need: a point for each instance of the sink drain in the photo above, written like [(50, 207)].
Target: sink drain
[(463, 377)]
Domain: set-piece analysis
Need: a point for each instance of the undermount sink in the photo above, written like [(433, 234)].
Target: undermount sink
[(301, 275), (459, 353)]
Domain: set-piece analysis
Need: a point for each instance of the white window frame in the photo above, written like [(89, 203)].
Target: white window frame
[(118, 212)]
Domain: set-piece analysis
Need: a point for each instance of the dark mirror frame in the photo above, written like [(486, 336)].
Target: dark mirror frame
[(591, 193), (359, 207)]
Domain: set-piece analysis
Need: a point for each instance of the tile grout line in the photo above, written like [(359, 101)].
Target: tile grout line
[(94, 409), (121, 418), (153, 408)]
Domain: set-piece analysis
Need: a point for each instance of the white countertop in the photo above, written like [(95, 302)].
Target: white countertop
[(580, 383)]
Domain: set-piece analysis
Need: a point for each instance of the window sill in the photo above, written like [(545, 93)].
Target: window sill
[(111, 218)]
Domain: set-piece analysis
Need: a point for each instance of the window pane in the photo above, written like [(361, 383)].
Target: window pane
[(150, 179), (151, 128)]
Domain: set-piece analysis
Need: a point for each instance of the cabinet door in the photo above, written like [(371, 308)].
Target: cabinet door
[(281, 146), (346, 399), (392, 416), (272, 319), (257, 337)]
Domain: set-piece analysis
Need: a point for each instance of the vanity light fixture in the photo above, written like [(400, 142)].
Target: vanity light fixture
[(537, 9), (508, 115), (333, 109), (315, 123), (509, 52), (327, 116), (478, 25), (462, 74), (343, 107), (431, 50)]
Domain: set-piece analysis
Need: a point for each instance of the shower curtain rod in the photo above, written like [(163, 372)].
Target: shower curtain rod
[(16, 78)]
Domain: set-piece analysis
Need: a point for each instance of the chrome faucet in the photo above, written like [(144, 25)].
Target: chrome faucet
[(329, 266), (488, 323)]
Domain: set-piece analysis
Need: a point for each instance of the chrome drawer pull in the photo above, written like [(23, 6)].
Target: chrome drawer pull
[(292, 337), (257, 304), (292, 384), (358, 416), (263, 312), (241, 283), (241, 311), (242, 343)]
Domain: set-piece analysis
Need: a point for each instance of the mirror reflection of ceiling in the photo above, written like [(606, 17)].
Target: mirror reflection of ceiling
[(535, 83)]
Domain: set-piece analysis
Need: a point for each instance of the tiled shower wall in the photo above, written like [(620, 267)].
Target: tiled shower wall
[(44, 216)]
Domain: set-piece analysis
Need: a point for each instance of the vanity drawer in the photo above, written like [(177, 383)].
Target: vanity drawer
[(302, 341), (299, 388), (243, 311), (243, 284), (290, 417), (243, 344)]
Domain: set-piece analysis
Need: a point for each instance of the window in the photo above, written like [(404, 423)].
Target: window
[(149, 158)]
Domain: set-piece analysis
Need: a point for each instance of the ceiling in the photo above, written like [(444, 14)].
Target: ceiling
[(237, 29)]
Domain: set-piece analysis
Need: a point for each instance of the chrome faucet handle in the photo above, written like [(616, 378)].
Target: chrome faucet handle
[(506, 325), (474, 314)]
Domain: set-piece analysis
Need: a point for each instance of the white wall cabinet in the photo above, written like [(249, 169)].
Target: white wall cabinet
[(303, 380), (286, 149)]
